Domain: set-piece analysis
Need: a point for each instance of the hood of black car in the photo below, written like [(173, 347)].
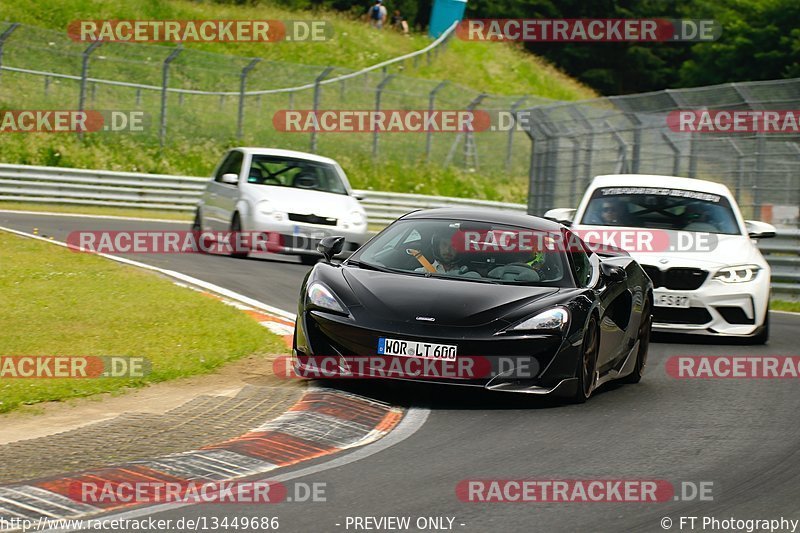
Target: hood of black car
[(438, 301)]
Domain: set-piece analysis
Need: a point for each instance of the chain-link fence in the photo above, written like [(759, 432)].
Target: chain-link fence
[(189, 94), (575, 141)]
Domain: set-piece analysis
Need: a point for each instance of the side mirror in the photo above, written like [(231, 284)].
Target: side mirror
[(330, 246), (562, 215), (613, 273), (759, 230), (230, 178)]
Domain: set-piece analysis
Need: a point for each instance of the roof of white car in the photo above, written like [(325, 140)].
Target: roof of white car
[(651, 180), (285, 153)]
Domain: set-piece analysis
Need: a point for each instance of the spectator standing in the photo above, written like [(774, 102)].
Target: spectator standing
[(399, 22), (377, 15)]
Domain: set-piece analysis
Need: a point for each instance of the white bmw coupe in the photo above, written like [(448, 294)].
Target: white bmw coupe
[(709, 277)]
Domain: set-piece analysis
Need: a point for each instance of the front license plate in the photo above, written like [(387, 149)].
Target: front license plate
[(671, 300), (425, 350), (314, 234)]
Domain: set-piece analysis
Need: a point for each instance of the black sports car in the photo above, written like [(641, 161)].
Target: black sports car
[(500, 300)]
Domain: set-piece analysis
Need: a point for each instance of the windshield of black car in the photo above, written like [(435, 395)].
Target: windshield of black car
[(296, 173), (469, 251), (661, 208)]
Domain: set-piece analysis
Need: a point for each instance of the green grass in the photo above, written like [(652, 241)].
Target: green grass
[(58, 302), (780, 305), (484, 66)]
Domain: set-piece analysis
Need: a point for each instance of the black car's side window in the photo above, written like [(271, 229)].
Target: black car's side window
[(581, 265), (231, 165)]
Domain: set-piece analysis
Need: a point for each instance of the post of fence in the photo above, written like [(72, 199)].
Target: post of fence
[(622, 151), (242, 85), (429, 133), (164, 82), (576, 149), (637, 142), (761, 155), (587, 160), (84, 75), (739, 170), (533, 170), (317, 88), (510, 147), (676, 153), (796, 148), (3, 36), (469, 137), (537, 176), (378, 93)]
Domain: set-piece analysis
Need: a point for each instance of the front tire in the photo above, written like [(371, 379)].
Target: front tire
[(587, 364), (236, 227)]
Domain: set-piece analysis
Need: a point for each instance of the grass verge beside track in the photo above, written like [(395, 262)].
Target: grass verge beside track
[(58, 302), (779, 305)]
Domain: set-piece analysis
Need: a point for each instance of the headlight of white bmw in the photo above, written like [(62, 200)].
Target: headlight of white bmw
[(555, 319), (737, 274), (321, 296)]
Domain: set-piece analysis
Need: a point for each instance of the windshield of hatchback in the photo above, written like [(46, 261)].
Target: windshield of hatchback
[(469, 251), (661, 208), (295, 173)]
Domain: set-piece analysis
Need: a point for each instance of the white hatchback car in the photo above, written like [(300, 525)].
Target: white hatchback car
[(297, 196), (709, 277)]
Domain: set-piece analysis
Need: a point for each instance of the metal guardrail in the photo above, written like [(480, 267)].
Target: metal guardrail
[(783, 255), (181, 193), (385, 207)]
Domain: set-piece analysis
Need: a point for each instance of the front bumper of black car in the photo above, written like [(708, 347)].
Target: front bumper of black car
[(542, 364)]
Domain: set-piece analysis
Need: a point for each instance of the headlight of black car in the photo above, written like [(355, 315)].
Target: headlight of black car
[(321, 297), (552, 320)]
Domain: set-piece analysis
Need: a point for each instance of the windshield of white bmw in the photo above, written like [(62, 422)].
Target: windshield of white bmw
[(469, 251), (660, 208), (296, 173)]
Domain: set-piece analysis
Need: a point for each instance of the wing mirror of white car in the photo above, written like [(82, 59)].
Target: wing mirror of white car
[(230, 178), (562, 215), (759, 230)]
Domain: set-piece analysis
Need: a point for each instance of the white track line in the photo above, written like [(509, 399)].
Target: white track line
[(83, 215)]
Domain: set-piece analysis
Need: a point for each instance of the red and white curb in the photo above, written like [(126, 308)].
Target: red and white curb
[(323, 422)]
